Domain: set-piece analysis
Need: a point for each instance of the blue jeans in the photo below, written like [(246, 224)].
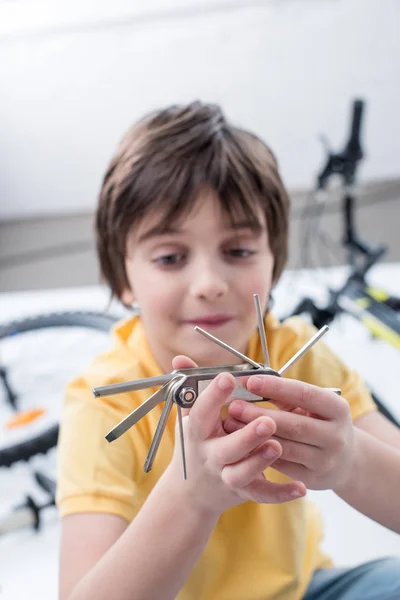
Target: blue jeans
[(375, 580)]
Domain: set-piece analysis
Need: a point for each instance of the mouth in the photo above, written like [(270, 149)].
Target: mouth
[(210, 321)]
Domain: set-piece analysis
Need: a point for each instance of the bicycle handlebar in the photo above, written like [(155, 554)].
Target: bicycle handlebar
[(353, 147), (345, 163)]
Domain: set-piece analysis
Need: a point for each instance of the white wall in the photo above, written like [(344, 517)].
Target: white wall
[(74, 75)]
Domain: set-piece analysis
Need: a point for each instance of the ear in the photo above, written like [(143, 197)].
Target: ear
[(128, 297)]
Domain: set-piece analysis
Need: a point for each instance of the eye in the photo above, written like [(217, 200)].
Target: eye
[(240, 252), (167, 260)]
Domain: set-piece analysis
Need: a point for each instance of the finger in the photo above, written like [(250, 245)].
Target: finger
[(291, 426), (269, 492), (292, 470), (311, 398), (290, 408), (287, 408), (241, 443), (183, 362), (205, 413), (305, 454), (245, 471), (230, 424), (309, 456)]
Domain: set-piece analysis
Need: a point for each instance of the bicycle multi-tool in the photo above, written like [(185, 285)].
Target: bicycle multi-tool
[(182, 387)]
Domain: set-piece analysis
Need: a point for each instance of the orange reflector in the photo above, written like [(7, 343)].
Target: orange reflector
[(24, 417)]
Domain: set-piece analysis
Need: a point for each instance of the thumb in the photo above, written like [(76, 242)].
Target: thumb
[(205, 414), (183, 362)]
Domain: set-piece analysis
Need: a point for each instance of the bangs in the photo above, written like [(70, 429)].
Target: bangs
[(240, 198), (238, 211)]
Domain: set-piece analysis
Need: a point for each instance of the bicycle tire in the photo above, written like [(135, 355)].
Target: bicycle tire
[(384, 410), (101, 321), (393, 303), (41, 444)]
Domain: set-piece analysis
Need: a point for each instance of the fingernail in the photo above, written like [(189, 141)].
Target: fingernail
[(256, 383), (263, 429), (270, 452), (224, 382), (236, 408), (295, 494)]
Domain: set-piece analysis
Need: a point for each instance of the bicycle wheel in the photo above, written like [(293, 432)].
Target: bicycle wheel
[(383, 409), (38, 356)]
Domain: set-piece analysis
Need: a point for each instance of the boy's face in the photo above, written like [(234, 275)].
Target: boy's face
[(203, 272)]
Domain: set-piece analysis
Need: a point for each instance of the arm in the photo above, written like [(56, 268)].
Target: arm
[(377, 486), (373, 487), (379, 427), (99, 532), (151, 558), (154, 555)]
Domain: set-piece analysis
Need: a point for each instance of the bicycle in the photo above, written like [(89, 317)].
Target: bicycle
[(374, 307), (30, 400)]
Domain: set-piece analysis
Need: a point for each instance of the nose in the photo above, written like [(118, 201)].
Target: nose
[(208, 282)]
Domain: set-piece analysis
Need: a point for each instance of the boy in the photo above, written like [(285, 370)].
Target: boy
[(192, 221)]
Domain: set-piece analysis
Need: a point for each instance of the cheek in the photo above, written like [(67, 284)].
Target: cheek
[(259, 279), (158, 299), (152, 289)]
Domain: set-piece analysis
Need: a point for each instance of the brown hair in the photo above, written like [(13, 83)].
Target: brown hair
[(166, 159)]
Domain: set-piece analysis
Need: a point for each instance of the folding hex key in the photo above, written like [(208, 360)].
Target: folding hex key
[(182, 387)]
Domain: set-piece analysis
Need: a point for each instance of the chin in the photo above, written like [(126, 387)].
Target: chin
[(207, 353), (214, 359)]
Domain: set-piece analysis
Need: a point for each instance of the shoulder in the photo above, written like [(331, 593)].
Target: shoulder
[(93, 475), (120, 363), (287, 337), (121, 360), (320, 365), (88, 414)]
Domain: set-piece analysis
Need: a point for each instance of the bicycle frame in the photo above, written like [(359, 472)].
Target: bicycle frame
[(369, 305), (373, 307)]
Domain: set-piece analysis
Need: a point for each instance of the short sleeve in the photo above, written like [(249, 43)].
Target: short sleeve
[(94, 475)]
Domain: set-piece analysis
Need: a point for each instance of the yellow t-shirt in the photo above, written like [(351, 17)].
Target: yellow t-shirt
[(256, 550)]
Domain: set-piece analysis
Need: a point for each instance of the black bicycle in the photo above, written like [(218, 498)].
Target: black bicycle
[(38, 356), (374, 307)]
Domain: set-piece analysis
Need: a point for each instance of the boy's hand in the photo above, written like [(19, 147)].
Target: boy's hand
[(226, 470), (314, 428)]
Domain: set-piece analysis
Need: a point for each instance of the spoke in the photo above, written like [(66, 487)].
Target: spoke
[(137, 414), (261, 330), (227, 347), (303, 350)]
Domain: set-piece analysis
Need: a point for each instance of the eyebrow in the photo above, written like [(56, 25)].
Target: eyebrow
[(161, 230), (253, 225), (157, 231)]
